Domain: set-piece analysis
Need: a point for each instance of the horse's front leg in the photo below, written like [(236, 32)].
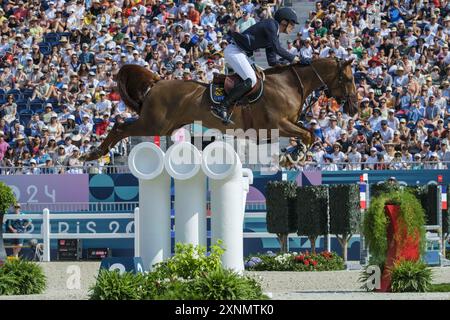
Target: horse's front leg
[(289, 129), (118, 132)]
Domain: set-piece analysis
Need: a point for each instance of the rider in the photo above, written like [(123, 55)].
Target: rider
[(264, 34)]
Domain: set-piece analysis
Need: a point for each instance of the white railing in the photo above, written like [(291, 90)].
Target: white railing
[(125, 206), (79, 207), (46, 235)]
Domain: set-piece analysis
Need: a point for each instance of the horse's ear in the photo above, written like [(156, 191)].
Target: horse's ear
[(348, 62)]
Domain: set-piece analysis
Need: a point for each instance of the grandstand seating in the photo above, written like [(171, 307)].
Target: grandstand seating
[(27, 93), (16, 93), (25, 116)]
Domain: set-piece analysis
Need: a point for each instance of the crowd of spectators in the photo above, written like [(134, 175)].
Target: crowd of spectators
[(401, 65), (59, 59)]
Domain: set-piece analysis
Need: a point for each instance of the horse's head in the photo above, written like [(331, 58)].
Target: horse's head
[(343, 87)]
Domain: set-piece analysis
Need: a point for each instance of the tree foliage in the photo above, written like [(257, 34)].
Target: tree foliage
[(7, 198)]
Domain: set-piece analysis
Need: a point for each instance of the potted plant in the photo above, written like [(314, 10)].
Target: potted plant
[(394, 231)]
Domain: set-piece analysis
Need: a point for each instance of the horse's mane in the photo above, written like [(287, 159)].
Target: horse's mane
[(280, 69)]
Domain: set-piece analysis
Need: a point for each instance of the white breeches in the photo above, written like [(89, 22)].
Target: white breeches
[(238, 60)]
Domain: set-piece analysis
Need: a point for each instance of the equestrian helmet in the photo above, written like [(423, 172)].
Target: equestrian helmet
[(286, 14)]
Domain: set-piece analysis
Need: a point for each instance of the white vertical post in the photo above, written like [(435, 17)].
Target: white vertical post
[(137, 249), (328, 239), (46, 234), (146, 162), (247, 180), (222, 165), (183, 163)]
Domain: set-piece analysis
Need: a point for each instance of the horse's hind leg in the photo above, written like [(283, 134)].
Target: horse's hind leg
[(289, 129), (118, 132)]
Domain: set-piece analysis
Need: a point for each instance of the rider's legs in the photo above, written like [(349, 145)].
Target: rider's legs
[(240, 64)]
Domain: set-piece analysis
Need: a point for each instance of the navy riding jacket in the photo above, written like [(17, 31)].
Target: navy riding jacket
[(263, 35)]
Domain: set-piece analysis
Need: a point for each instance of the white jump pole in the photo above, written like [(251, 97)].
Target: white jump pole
[(146, 162), (222, 165), (183, 163)]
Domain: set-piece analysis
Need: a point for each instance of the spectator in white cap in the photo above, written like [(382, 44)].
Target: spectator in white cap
[(73, 161), (100, 54), (85, 146), (48, 112), (92, 81), (55, 128), (137, 59), (433, 162), (333, 132), (354, 158), (33, 167), (306, 51), (70, 124), (50, 13), (87, 104), (103, 105), (187, 74), (372, 159), (392, 121), (86, 126)]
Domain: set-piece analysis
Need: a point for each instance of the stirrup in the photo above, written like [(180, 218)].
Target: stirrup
[(221, 113)]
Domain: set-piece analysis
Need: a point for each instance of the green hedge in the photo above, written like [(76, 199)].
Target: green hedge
[(312, 210), (281, 215), (280, 203), (345, 213), (428, 197)]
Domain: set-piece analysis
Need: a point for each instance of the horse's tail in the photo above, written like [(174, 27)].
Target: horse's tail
[(133, 83)]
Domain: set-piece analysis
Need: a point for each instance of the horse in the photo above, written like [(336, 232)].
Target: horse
[(171, 104)]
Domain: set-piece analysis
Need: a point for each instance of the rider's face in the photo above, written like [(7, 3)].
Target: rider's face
[(290, 27), (286, 27)]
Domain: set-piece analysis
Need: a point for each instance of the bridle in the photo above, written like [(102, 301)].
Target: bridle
[(341, 85)]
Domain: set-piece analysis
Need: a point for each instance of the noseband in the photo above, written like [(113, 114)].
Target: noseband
[(347, 97)]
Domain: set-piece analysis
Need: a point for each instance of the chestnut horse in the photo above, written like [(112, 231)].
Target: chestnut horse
[(171, 104)]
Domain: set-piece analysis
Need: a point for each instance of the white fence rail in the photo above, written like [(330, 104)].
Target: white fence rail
[(126, 206), (46, 235)]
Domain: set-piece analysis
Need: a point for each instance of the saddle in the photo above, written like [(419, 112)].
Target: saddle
[(222, 85)]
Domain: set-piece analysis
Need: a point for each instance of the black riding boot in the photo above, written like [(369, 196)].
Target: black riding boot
[(235, 94)]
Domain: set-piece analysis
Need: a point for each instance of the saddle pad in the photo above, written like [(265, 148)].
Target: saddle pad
[(217, 93)]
